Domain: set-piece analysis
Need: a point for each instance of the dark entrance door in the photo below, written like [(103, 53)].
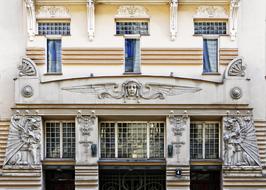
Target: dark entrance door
[(60, 180), (206, 178), (135, 179)]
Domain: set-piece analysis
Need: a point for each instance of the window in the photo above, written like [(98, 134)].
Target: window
[(204, 140), (132, 55), (141, 28), (132, 140), (210, 55), (60, 139), (54, 56), (54, 28), (219, 28)]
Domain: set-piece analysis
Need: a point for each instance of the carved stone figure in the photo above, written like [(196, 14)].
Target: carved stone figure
[(23, 147), (133, 89), (27, 68), (240, 145)]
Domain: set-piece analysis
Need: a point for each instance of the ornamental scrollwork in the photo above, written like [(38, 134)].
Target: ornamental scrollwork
[(133, 90), (27, 68), (240, 143), (23, 146)]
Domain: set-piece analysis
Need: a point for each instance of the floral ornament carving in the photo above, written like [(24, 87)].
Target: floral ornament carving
[(240, 143), (237, 68), (53, 12), (206, 12), (27, 68), (131, 11), (23, 146), (133, 90)]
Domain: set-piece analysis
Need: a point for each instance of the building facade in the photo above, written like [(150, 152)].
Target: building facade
[(133, 95)]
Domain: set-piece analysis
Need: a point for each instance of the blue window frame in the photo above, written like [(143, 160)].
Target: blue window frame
[(210, 55), (132, 55), (54, 56)]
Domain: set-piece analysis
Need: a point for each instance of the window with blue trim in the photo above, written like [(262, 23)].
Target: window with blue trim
[(132, 55), (54, 64), (210, 55)]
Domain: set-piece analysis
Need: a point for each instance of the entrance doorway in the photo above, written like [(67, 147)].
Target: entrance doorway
[(132, 179), (59, 179), (205, 178)]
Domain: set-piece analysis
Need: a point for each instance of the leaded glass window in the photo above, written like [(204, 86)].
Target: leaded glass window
[(141, 28), (60, 139), (218, 28), (204, 140), (132, 140), (54, 28)]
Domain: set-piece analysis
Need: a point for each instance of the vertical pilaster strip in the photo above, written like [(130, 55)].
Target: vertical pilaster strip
[(173, 19), (31, 18), (233, 20), (91, 19)]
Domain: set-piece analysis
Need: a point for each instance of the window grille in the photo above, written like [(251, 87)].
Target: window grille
[(132, 140), (204, 140), (60, 139), (219, 28), (141, 28), (54, 28)]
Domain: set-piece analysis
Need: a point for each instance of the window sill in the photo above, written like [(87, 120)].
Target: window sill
[(58, 161), (206, 162), (200, 35), (131, 73), (211, 73), (47, 74)]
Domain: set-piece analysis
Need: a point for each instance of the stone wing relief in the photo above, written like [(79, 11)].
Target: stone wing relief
[(240, 144), (133, 89), (23, 147)]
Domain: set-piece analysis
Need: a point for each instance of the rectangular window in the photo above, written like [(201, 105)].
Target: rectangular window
[(60, 139), (202, 28), (210, 55), (204, 140), (54, 28), (141, 28), (54, 52), (132, 140), (132, 55)]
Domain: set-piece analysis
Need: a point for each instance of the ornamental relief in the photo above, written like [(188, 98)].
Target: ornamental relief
[(132, 90), (52, 12), (23, 146), (240, 143), (132, 11), (205, 12)]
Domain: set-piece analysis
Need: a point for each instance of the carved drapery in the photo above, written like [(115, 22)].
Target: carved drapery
[(91, 19), (31, 18), (234, 8), (240, 143), (173, 19), (24, 140), (27, 68)]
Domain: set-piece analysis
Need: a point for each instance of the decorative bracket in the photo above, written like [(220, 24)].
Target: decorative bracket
[(91, 19), (234, 8), (173, 19), (31, 18)]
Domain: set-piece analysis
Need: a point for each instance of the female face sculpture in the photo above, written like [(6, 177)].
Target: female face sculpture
[(132, 89)]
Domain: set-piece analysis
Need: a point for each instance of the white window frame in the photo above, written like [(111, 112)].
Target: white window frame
[(203, 123), (212, 37), (116, 139), (61, 138)]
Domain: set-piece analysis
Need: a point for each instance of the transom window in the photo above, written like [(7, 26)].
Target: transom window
[(204, 140), (132, 139), (60, 139), (54, 28), (208, 27), (141, 28)]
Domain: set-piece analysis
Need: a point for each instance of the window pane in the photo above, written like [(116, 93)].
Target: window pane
[(210, 55), (132, 55), (69, 140), (156, 140), (211, 141), (210, 28), (132, 28), (52, 140), (54, 28), (54, 55), (196, 141), (107, 136)]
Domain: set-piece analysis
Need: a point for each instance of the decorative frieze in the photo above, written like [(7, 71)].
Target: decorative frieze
[(53, 12), (240, 143), (173, 19), (27, 68), (24, 140), (133, 90), (132, 11), (31, 18), (234, 8), (210, 12)]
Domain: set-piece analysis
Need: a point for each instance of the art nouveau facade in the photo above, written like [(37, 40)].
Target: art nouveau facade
[(135, 94)]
